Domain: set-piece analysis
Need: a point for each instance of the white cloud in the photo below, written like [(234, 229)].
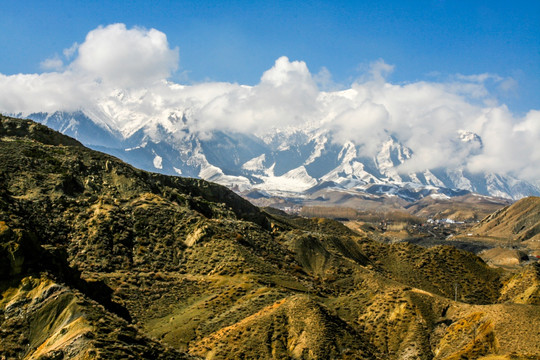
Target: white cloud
[(479, 78), (379, 70), (324, 80), (510, 145), (126, 57), (111, 57), (70, 51), (285, 96), (54, 64), (27, 93), (487, 83), (119, 75), (364, 124), (508, 84)]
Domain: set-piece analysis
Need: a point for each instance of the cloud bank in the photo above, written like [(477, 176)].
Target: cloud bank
[(120, 77)]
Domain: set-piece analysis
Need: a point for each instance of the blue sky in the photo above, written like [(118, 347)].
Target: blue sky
[(427, 71), (236, 41)]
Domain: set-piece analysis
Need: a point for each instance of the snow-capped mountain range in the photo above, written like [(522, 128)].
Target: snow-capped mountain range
[(282, 162)]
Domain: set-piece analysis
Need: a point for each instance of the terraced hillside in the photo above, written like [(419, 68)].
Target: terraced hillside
[(107, 261)]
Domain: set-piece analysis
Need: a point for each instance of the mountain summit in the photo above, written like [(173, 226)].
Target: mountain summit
[(282, 162)]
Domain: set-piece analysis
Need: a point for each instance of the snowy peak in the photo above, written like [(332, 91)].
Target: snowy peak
[(279, 162), (390, 156), (347, 153), (471, 142), (256, 164), (469, 137)]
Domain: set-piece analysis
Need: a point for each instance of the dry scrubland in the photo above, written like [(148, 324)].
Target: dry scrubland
[(99, 260)]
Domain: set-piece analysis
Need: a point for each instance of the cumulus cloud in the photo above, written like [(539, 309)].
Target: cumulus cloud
[(28, 93), (119, 76), (111, 57), (364, 123), (126, 57), (510, 145), (285, 96)]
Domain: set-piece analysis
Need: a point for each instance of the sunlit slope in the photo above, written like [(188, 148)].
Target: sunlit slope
[(517, 222)]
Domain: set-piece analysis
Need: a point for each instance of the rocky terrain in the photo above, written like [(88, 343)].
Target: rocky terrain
[(518, 222), (101, 260)]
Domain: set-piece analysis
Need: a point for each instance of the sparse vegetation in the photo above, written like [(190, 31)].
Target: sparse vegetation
[(101, 260)]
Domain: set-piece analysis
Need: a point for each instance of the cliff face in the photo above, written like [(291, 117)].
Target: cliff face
[(101, 260)]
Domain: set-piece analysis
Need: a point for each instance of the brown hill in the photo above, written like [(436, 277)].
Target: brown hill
[(504, 257), (48, 312), (460, 208), (298, 327), (199, 269), (517, 222)]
